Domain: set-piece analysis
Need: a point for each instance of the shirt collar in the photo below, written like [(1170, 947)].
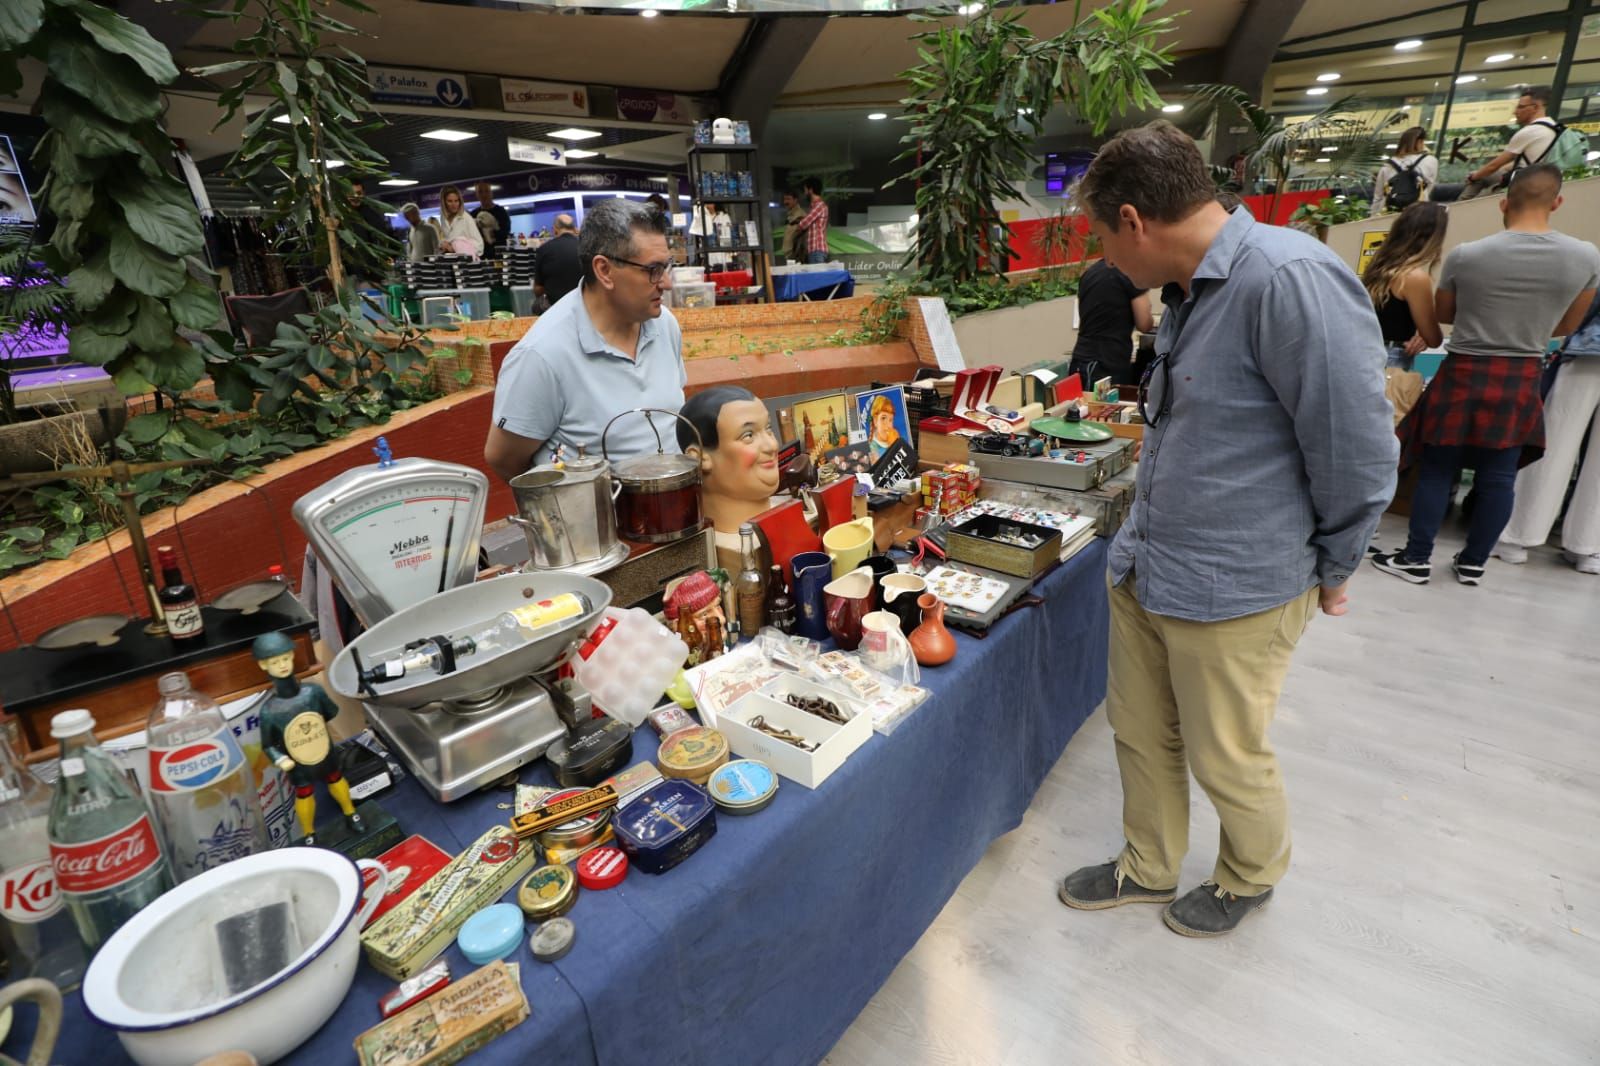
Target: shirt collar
[(1218, 260), (589, 338)]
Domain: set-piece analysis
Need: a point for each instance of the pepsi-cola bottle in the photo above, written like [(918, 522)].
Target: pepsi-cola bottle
[(108, 863), (37, 937), (201, 787)]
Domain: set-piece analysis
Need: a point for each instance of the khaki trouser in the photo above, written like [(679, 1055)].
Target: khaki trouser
[(1202, 693)]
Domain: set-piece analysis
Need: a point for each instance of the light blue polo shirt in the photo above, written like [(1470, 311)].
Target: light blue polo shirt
[(562, 383)]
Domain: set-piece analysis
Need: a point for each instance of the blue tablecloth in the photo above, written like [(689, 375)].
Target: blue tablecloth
[(814, 285), (765, 945)]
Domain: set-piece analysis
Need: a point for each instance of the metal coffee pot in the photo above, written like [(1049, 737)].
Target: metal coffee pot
[(568, 514)]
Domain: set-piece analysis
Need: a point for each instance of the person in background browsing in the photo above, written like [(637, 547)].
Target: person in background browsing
[(1408, 176), (1507, 295), (368, 262), (606, 347), (1571, 407), (814, 226), (502, 217), (793, 213), (458, 230), (1527, 146), (423, 240), (1110, 309), (556, 266), (1269, 455), (1400, 281)]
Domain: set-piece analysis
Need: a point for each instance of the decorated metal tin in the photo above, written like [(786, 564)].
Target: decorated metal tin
[(579, 831), (553, 939), (548, 892), (666, 825), (743, 786), (602, 868), (492, 933), (692, 753)]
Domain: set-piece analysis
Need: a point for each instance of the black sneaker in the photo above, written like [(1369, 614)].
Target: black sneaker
[(1211, 910), (1405, 569), (1094, 888), (1466, 573)]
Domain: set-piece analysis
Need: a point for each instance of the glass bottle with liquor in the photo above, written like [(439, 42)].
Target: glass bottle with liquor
[(108, 863), (750, 587), (780, 606), (179, 601)]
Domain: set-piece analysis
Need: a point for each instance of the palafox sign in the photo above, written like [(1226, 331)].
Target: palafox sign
[(544, 97), (396, 85)]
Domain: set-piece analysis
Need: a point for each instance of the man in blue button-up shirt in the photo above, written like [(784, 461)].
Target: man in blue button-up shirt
[(1269, 455)]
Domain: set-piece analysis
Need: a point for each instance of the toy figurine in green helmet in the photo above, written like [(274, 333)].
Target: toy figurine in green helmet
[(294, 733)]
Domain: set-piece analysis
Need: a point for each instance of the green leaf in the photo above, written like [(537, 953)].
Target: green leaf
[(19, 21), (61, 545), (161, 215), (116, 34), (221, 68), (196, 305), (286, 78), (115, 84), (152, 326), (142, 268), (88, 345), (142, 429), (85, 131), (130, 382), (25, 534), (200, 436)]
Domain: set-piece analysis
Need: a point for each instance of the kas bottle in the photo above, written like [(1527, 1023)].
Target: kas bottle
[(201, 787), (103, 845), (179, 602), (37, 937)]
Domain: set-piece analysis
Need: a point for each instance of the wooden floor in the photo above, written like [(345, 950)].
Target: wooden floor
[(1442, 750)]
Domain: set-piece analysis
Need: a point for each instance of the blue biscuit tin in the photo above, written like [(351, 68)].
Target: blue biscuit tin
[(492, 933), (665, 825)]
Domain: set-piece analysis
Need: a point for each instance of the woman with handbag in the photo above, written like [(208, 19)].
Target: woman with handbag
[(1572, 406)]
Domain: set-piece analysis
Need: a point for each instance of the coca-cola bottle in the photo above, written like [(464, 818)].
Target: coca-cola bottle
[(37, 937), (201, 787), (103, 844)]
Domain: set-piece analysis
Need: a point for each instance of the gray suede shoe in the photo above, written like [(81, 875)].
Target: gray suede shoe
[(1094, 888), (1210, 910)]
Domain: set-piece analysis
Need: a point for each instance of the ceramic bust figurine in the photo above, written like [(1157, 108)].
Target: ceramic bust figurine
[(294, 734), (739, 462), (693, 607)]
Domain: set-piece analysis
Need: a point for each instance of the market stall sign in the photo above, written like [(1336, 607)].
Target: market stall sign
[(596, 181), (643, 105), (397, 85), (544, 97), (1371, 241), (543, 152)]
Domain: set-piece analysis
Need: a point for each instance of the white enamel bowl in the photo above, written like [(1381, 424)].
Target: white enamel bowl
[(158, 981)]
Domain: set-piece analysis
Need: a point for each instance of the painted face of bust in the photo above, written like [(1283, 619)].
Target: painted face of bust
[(744, 464)]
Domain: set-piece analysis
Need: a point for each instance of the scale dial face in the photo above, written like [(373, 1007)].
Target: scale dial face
[(395, 537)]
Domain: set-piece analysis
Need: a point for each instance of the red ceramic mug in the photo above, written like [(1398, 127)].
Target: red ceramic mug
[(846, 601)]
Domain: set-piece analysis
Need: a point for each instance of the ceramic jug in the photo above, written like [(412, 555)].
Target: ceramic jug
[(812, 571), (932, 643), (848, 600), (848, 544), (899, 593)]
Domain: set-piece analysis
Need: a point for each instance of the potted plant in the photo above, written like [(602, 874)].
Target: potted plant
[(1330, 211)]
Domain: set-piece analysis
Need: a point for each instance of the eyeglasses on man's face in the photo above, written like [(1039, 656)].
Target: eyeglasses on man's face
[(653, 271)]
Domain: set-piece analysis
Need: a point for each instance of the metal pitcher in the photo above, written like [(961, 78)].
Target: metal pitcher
[(567, 512)]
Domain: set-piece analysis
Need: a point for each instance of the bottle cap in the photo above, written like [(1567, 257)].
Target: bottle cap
[(274, 570), (71, 723), (602, 868), (166, 551), (173, 683)]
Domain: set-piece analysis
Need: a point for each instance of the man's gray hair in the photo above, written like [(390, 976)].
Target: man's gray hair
[(608, 229)]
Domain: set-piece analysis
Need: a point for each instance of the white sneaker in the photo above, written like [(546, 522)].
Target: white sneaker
[(1584, 564), (1506, 552)]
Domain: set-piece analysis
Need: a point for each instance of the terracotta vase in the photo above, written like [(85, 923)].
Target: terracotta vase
[(932, 643)]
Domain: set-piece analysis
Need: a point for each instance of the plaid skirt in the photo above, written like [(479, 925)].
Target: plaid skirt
[(1479, 401)]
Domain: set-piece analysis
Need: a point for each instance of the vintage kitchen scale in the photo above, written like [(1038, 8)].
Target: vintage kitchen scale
[(401, 540)]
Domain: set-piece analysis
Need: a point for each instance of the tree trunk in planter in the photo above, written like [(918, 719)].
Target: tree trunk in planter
[(38, 439)]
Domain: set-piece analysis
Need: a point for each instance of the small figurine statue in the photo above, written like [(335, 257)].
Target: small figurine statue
[(694, 610), (294, 734)]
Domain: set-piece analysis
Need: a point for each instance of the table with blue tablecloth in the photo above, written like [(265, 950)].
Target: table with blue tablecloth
[(765, 945), (814, 285)]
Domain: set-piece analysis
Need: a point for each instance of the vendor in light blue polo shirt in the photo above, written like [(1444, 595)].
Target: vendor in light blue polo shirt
[(606, 347)]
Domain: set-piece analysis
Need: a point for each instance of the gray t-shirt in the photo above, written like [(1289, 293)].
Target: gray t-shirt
[(1512, 289)]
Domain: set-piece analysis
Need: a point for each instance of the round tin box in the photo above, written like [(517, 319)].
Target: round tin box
[(548, 892), (579, 831), (743, 786), (692, 753)]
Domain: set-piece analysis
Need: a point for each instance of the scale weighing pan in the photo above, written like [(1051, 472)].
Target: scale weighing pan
[(1061, 429), (460, 612), (394, 534), (101, 630), (250, 598)]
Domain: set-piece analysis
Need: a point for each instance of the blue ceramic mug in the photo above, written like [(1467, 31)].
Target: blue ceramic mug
[(812, 570)]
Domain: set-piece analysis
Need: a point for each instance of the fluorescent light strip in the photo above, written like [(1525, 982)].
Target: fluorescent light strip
[(398, 183), (573, 134), (580, 153), (449, 135), (1407, 46), (1172, 109)]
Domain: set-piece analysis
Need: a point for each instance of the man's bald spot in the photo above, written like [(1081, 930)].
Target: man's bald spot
[(564, 222)]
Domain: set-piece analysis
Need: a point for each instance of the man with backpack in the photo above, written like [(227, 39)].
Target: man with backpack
[(1540, 139), (1408, 176)]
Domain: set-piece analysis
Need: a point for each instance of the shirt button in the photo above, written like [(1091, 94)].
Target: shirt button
[(1141, 536)]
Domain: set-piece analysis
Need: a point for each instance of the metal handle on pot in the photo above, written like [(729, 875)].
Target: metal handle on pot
[(645, 411)]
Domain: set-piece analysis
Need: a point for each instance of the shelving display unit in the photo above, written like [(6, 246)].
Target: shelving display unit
[(729, 158)]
